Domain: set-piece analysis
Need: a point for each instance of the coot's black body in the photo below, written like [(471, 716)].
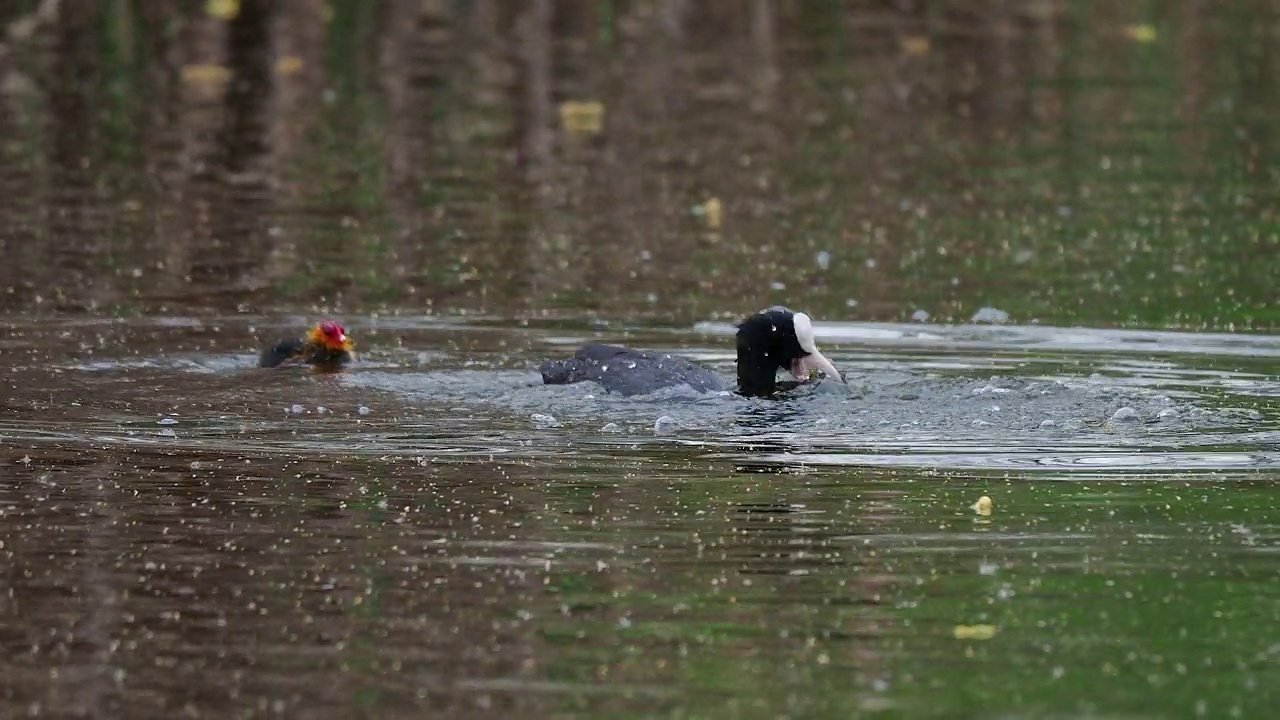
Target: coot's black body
[(628, 372), (771, 340)]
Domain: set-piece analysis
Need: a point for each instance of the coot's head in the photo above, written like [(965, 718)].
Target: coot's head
[(330, 336), (777, 339)]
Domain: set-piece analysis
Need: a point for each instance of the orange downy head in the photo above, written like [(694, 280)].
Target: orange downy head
[(330, 336)]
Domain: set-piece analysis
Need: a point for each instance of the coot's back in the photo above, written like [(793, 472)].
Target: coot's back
[(628, 372)]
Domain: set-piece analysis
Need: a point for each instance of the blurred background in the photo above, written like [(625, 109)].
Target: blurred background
[(1080, 162)]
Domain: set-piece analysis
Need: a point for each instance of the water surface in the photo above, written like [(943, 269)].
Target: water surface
[(434, 530), (1040, 238)]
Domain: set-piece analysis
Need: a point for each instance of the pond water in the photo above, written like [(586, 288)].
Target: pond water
[(435, 530), (1040, 240)]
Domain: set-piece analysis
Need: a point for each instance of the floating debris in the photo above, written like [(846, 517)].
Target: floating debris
[(205, 74), (289, 65), (711, 212), (222, 9), (916, 45), (1142, 33), (582, 117), (974, 632)]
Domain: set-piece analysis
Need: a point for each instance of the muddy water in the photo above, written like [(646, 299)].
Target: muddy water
[(435, 533), (1040, 238)]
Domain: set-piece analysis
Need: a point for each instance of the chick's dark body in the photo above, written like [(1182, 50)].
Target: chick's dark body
[(296, 350)]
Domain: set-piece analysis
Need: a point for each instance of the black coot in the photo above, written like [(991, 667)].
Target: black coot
[(769, 341)]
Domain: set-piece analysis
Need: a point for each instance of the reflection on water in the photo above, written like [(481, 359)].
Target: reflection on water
[(295, 584), (1003, 214), (1061, 161)]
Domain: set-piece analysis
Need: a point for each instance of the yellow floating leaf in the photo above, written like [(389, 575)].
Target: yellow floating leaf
[(974, 632), (205, 74), (915, 45), (289, 64), (713, 213), (582, 118), (1140, 33), (222, 9), (983, 506)]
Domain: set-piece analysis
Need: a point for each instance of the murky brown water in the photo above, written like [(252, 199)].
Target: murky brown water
[(434, 533), (472, 188)]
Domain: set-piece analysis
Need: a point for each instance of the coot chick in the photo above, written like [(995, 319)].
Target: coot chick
[(325, 347), (769, 341)]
